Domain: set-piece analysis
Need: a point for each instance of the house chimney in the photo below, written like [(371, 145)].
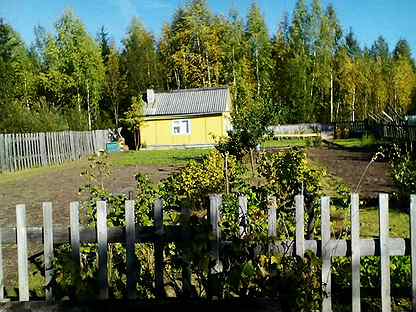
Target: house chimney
[(150, 96)]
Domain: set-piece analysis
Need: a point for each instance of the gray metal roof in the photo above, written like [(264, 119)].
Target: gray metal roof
[(189, 101)]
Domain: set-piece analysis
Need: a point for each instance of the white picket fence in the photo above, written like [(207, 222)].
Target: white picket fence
[(160, 234), (21, 151)]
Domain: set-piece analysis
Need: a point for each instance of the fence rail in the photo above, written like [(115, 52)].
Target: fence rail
[(27, 150), (160, 234), (403, 133)]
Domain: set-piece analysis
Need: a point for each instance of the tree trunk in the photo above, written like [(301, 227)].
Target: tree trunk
[(178, 81), (227, 182), (78, 101), (234, 78), (137, 139), (332, 97), (353, 106), (208, 67), (26, 99), (116, 115), (252, 159), (257, 71), (88, 107)]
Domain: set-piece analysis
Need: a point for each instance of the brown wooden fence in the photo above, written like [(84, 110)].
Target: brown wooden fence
[(395, 133), (27, 150), (159, 234)]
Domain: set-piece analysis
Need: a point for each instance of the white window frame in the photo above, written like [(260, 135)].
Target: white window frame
[(183, 129)]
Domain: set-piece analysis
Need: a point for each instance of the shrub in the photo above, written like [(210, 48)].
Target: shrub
[(197, 180), (285, 175)]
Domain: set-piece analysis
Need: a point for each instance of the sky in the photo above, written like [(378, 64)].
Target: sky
[(394, 19)]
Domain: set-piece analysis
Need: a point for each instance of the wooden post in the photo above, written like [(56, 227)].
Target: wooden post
[(326, 254), (413, 247), (355, 246), (272, 216), (242, 213), (159, 247), (300, 226), (74, 232), (23, 274), (42, 141), (48, 248), (102, 249), (384, 253), (227, 182), (7, 151), (14, 151), (75, 239), (18, 152), (186, 237), (131, 250), (2, 154), (215, 267), (1, 269)]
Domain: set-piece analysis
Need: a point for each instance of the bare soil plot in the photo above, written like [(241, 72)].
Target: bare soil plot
[(349, 166), (61, 186)]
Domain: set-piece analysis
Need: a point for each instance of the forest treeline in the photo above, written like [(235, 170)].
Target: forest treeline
[(310, 70)]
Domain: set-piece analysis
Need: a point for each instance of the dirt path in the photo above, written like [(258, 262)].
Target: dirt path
[(350, 165)]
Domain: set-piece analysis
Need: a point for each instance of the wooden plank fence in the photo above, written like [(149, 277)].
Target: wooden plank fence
[(160, 234), (396, 133), (21, 151)]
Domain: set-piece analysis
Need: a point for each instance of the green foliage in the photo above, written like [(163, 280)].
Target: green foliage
[(285, 175), (250, 127), (139, 60), (199, 179), (134, 118), (403, 167), (39, 118)]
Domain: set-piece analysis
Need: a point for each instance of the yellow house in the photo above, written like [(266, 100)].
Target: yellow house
[(185, 118)]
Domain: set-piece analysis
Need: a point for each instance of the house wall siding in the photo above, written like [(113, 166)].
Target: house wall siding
[(159, 132)]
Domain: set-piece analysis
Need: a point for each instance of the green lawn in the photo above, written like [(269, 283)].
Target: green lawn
[(171, 157), (399, 223), (10, 177), (364, 142), (284, 143), (369, 221)]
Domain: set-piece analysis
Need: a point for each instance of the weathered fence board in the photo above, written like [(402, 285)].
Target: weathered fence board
[(326, 254), (74, 233), (413, 247), (158, 249), (300, 226), (102, 249), (355, 259), (48, 248), (131, 250), (1, 270), (23, 273), (384, 251), (27, 150)]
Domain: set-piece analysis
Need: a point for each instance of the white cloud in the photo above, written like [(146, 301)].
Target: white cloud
[(126, 7), (129, 8)]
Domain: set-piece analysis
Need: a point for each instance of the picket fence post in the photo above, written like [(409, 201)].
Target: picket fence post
[(159, 248)]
